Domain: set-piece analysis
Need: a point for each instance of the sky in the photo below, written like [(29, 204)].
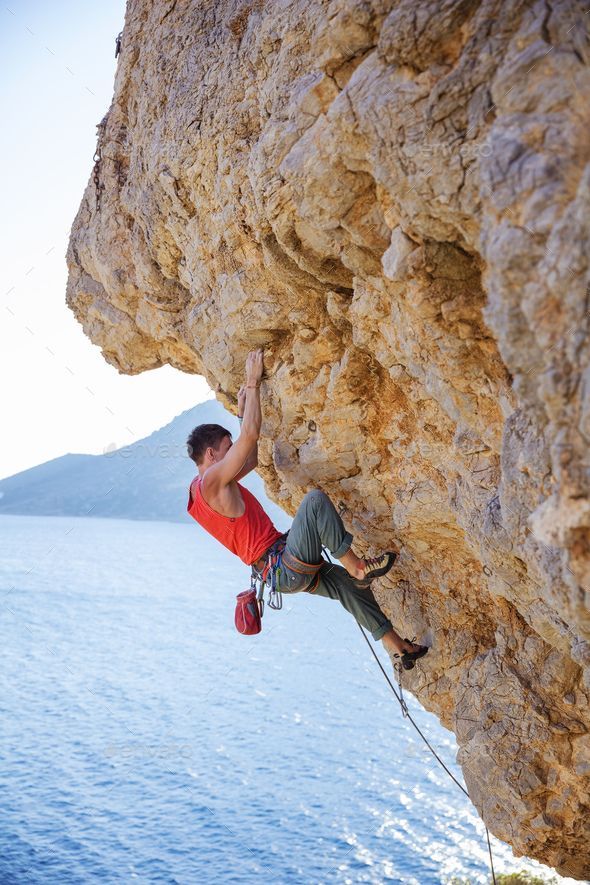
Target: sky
[(58, 393)]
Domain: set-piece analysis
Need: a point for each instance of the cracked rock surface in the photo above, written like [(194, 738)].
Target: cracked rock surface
[(392, 198)]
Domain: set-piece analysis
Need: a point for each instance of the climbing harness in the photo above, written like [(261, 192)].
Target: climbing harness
[(250, 603), (276, 559), (270, 575), (305, 574)]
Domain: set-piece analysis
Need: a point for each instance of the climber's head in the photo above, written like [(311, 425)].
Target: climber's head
[(208, 442)]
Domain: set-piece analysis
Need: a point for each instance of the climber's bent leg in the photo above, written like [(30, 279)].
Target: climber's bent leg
[(335, 583), (317, 523)]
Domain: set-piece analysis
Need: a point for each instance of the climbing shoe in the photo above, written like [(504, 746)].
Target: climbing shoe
[(376, 566), (409, 658)]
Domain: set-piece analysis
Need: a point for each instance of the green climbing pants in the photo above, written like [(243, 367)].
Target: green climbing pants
[(317, 523)]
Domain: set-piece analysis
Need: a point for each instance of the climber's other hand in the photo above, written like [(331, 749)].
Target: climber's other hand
[(254, 366)]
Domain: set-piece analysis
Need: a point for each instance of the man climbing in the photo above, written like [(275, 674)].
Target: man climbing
[(231, 513)]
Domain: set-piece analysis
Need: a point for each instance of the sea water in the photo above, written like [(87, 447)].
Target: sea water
[(144, 739)]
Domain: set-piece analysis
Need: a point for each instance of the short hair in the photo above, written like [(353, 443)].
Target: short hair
[(202, 437)]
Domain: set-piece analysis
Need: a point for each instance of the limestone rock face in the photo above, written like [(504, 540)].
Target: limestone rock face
[(390, 196)]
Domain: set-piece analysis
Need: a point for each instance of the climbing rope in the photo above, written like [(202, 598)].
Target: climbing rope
[(407, 715)]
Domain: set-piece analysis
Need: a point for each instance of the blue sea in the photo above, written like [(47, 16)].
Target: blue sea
[(144, 739)]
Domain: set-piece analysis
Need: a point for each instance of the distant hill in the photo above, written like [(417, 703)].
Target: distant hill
[(146, 480)]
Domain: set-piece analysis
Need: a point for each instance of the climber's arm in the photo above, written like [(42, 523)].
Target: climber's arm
[(236, 459), (252, 461), (231, 465)]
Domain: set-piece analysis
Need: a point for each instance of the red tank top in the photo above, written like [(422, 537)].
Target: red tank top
[(248, 536)]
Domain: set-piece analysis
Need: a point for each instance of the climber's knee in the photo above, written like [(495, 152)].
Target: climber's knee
[(313, 496)]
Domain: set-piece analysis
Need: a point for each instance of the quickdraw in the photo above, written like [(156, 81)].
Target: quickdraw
[(270, 576), (402, 701)]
